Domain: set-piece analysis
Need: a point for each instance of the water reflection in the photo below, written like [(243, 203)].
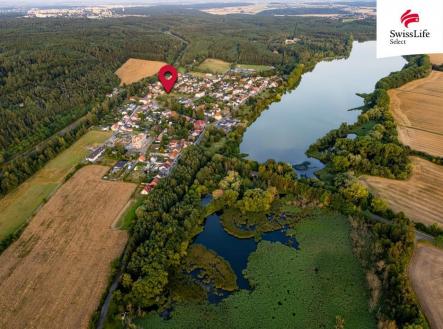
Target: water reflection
[(236, 251), (320, 103)]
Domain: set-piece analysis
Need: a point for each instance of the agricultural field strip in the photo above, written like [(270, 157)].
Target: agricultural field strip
[(134, 70), (417, 110), (57, 271), (416, 92), (19, 205), (426, 273), (420, 197)]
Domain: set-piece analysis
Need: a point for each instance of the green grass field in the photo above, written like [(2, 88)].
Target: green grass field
[(125, 221), (19, 205), (215, 66), (304, 288), (258, 68)]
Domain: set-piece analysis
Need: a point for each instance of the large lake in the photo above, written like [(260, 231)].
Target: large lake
[(320, 103)]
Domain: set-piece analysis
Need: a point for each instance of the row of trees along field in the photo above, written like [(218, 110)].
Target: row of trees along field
[(376, 149)]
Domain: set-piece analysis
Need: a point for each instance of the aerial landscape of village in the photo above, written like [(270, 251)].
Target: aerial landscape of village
[(227, 164)]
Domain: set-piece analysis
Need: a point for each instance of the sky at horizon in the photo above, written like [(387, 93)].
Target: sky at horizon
[(46, 3)]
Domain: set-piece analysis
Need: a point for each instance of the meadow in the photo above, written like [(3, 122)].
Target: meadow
[(258, 68), (305, 288), (19, 205), (215, 66)]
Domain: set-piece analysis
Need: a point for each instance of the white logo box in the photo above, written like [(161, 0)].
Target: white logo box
[(422, 37)]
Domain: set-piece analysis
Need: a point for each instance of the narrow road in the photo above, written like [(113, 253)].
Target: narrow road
[(105, 307), (419, 235), (180, 55)]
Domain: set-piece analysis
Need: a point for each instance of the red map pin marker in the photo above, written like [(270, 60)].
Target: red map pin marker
[(167, 83)]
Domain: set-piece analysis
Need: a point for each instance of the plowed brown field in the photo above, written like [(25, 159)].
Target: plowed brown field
[(426, 273), (136, 69), (54, 275), (418, 111), (420, 197)]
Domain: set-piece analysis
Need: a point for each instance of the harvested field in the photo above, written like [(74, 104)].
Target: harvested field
[(19, 205), (136, 69), (420, 197), (426, 274), (436, 59), (418, 110), (54, 275)]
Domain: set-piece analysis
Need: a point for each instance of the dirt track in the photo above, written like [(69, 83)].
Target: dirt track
[(426, 274), (420, 197), (136, 69), (418, 111), (56, 273)]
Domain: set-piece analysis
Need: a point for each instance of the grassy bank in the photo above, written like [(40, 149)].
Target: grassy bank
[(19, 205), (307, 288)]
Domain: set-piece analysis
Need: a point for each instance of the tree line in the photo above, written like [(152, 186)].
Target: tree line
[(376, 149)]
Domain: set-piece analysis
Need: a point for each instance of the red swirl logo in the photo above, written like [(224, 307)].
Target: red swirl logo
[(408, 18)]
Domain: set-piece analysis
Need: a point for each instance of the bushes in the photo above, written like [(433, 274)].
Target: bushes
[(418, 67), (385, 250)]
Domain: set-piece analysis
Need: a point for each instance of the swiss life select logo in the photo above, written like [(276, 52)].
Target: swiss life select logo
[(400, 37), (408, 18), (406, 27)]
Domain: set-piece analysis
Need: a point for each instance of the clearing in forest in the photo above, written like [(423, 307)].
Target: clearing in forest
[(426, 273), (418, 111), (420, 197), (54, 275), (19, 205), (134, 70)]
